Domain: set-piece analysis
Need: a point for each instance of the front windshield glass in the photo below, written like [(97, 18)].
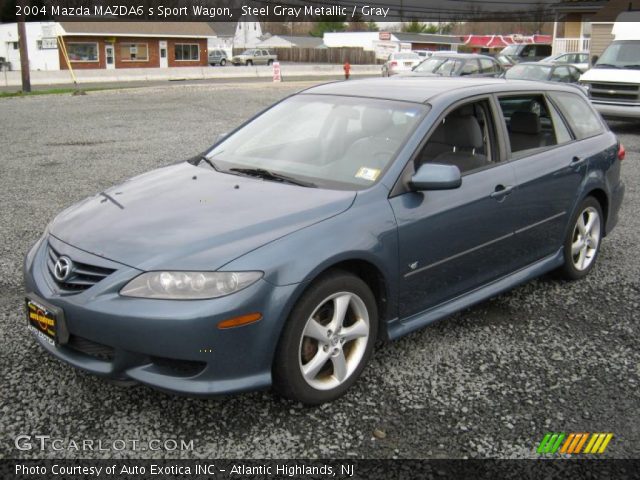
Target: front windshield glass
[(429, 65), (332, 142), (528, 72), (449, 67), (510, 50), (623, 54)]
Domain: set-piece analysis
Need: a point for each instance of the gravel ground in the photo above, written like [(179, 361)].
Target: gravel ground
[(489, 382)]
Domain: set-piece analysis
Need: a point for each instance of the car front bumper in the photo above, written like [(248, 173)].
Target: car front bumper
[(170, 345), (613, 111)]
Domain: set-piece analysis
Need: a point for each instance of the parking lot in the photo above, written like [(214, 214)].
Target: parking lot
[(491, 381)]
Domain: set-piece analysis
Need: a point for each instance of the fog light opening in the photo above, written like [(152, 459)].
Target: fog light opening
[(240, 321)]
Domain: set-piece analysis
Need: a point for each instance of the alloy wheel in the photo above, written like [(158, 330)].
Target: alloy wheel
[(334, 340), (586, 238)]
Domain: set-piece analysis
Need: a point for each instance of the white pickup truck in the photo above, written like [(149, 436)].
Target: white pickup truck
[(613, 82)]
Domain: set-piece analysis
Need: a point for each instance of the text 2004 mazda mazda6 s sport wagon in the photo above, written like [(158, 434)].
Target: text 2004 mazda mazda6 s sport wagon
[(347, 213)]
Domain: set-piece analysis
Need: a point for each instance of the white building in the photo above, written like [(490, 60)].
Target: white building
[(365, 40), (248, 33), (41, 45)]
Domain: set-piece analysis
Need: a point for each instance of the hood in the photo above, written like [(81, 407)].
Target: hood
[(184, 217), (614, 75)]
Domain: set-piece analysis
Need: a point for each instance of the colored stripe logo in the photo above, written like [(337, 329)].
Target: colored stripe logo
[(572, 443)]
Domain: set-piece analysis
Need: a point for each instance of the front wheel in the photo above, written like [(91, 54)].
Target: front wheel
[(223, 62), (582, 245), (249, 63), (270, 62), (327, 340)]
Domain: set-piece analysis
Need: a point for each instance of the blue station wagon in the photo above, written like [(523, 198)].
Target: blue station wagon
[(347, 213)]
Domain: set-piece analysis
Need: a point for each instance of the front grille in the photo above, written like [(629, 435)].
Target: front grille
[(614, 92), (82, 277), (88, 347)]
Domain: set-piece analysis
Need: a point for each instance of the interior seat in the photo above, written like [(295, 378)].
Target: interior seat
[(464, 135), (525, 131)]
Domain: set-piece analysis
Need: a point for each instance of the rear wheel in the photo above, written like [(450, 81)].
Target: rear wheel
[(582, 245), (249, 63), (270, 62), (327, 341)]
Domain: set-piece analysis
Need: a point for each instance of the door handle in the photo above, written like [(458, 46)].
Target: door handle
[(501, 192), (576, 162)]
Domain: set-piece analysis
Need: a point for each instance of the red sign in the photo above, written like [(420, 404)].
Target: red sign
[(384, 36), (276, 72)]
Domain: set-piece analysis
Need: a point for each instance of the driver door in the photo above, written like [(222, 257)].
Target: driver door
[(453, 241)]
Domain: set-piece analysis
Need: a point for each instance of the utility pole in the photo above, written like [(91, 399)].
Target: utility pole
[(24, 54)]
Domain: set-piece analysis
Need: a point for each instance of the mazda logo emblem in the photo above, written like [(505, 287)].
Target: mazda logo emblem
[(62, 269)]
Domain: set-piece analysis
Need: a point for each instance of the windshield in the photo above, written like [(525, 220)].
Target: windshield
[(528, 72), (332, 142), (429, 65), (449, 66), (510, 50), (621, 54)]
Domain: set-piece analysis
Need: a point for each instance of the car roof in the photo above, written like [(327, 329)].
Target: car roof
[(424, 89), (543, 64), (460, 55)]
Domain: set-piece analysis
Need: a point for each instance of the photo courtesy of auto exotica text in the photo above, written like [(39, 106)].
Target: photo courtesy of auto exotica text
[(255, 239)]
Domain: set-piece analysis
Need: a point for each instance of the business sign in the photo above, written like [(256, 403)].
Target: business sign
[(276, 72), (49, 43), (384, 36)]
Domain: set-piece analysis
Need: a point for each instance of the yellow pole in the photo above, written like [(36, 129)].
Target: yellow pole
[(63, 49)]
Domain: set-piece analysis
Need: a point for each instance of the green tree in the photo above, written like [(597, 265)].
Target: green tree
[(328, 24)]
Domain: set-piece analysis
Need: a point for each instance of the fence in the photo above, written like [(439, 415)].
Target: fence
[(355, 55), (570, 45)]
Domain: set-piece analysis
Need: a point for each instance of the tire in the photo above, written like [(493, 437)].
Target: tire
[(249, 63), (582, 245), (270, 62), (314, 340), (223, 62)]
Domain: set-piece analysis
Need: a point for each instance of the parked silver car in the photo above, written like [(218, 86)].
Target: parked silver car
[(580, 60), (398, 62), (254, 56), (217, 57)]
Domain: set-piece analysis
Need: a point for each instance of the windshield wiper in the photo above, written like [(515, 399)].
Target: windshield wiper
[(605, 65), (201, 158), (269, 175), (633, 66)]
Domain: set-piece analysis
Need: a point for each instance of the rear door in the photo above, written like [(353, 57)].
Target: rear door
[(452, 241), (550, 166)]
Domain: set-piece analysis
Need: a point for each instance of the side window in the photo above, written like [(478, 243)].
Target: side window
[(575, 74), (582, 120), (470, 67), (529, 51), (563, 135), (561, 74), (488, 66), (528, 122), (583, 58), (465, 137)]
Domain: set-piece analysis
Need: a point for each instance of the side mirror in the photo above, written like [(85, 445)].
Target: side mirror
[(594, 59), (435, 176)]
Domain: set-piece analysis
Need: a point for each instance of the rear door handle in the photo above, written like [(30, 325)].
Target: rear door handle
[(576, 161), (501, 192)]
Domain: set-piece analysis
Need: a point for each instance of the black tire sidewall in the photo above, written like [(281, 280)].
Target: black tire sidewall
[(223, 62), (287, 377), (569, 271)]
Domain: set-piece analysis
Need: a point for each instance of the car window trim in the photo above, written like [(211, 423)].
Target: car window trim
[(400, 185)]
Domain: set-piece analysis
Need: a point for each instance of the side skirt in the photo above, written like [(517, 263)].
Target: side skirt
[(398, 328)]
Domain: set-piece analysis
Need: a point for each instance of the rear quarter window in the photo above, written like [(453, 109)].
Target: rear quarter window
[(581, 118)]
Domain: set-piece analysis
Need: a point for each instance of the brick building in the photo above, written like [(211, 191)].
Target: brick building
[(106, 45)]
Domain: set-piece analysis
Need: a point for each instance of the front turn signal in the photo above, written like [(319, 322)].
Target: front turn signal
[(240, 321)]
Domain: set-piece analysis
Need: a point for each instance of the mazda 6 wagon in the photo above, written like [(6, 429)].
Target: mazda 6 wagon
[(347, 213)]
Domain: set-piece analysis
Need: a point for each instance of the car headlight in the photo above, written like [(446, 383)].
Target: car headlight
[(188, 285)]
